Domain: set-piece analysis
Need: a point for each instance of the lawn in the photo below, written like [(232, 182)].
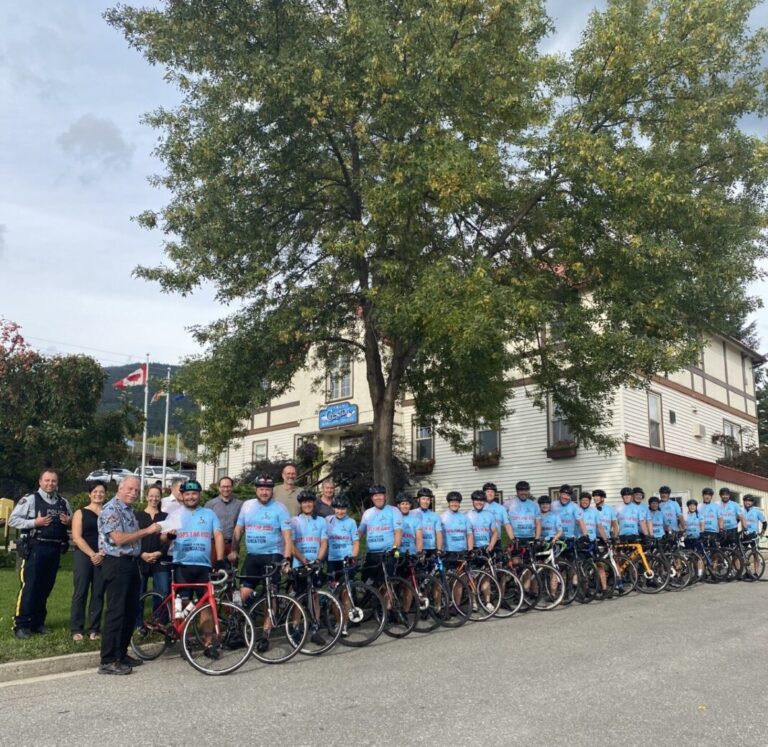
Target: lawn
[(59, 641)]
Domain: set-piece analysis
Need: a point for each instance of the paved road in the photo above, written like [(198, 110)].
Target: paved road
[(684, 668)]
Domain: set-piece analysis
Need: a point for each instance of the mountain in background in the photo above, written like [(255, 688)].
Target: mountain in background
[(111, 398)]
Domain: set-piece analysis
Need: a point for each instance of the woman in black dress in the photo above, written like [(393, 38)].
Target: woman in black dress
[(86, 566), (153, 552)]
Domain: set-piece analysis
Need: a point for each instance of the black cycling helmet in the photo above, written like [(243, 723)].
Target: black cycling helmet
[(340, 501), (625, 491), (749, 497), (264, 481), (191, 485), (545, 499), (490, 486), (599, 492), (586, 495), (724, 491), (565, 488), (424, 492), (665, 489), (707, 491), (638, 490), (404, 497), (376, 490), (454, 495), (523, 485), (691, 502), (654, 499), (478, 495), (306, 496)]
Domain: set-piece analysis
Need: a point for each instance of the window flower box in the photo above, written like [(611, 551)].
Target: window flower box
[(487, 459), (422, 466), (562, 450)]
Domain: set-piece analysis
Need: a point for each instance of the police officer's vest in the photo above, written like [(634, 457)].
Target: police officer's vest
[(55, 531)]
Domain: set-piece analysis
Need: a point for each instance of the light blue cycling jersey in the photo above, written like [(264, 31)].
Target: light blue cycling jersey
[(456, 527), (522, 516), (379, 526), (264, 524), (568, 514), (500, 516), (692, 524), (671, 511), (710, 514), (308, 532), (550, 524), (591, 518), (753, 519), (411, 525), (643, 511), (657, 522), (194, 535), (483, 524), (628, 516), (607, 516), (342, 534), (731, 513), (430, 526)]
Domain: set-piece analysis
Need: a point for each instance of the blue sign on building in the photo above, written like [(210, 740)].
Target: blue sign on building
[(341, 413)]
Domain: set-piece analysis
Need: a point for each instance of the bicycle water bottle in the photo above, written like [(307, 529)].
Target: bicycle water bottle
[(177, 607), (236, 597), (188, 608)]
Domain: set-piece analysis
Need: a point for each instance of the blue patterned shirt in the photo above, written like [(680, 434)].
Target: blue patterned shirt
[(117, 517)]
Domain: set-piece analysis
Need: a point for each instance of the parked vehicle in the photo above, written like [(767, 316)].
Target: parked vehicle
[(116, 475), (153, 473)]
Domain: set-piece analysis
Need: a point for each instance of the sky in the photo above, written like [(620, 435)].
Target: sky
[(74, 165)]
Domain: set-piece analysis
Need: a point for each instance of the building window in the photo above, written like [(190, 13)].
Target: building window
[(487, 441), (339, 380), (559, 431), (554, 493), (259, 451), (655, 435), (222, 465), (423, 442), (731, 439)]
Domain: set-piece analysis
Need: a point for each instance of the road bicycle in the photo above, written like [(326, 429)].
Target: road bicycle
[(216, 637), (652, 567), (323, 611), (484, 590)]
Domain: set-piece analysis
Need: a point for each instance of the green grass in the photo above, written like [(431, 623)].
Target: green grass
[(59, 641)]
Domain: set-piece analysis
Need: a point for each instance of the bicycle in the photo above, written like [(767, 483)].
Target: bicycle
[(217, 637), (652, 568), (455, 589), (483, 588), (401, 601), (753, 563), (432, 597), (323, 613)]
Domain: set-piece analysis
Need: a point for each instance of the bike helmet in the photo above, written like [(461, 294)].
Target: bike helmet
[(707, 491), (625, 491), (377, 490), (691, 502), (654, 499), (638, 490), (403, 497), (424, 492), (724, 491), (191, 485), (523, 485), (565, 488), (585, 495), (490, 486), (340, 501), (454, 495), (478, 495), (545, 499), (264, 481), (598, 492), (306, 496), (665, 489), (749, 497)]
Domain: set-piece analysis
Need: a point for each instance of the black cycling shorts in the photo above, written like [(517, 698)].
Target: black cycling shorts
[(192, 574), (254, 569)]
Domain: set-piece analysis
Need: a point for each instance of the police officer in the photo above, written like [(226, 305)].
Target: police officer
[(43, 519)]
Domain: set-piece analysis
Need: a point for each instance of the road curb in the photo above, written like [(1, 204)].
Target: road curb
[(28, 668)]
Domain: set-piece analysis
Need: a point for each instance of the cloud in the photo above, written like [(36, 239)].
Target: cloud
[(97, 144)]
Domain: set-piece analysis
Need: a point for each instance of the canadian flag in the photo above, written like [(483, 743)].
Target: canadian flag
[(135, 378)]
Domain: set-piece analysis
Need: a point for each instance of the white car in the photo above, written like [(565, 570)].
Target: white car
[(153, 473), (116, 474)]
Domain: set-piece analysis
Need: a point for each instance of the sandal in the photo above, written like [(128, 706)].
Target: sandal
[(77, 637), (94, 636)]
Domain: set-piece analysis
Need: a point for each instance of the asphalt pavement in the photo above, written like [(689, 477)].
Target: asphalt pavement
[(679, 668)]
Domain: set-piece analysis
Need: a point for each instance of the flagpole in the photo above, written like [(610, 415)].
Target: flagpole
[(146, 418), (167, 409)]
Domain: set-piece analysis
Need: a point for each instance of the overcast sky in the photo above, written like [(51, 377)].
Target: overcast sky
[(74, 163)]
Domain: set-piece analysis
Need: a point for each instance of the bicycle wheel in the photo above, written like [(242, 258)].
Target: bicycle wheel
[(627, 574), (570, 576), (364, 614), (485, 594), (657, 579), (325, 626), (679, 571), (589, 581), (754, 565), (530, 585), (719, 565), (221, 651), (280, 631), (459, 600), (433, 604), (156, 631), (551, 587), (511, 593), (402, 607)]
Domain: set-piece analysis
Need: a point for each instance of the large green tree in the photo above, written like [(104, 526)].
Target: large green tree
[(414, 183), (49, 418)]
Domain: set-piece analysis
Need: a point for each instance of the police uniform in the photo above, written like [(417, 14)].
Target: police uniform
[(46, 544)]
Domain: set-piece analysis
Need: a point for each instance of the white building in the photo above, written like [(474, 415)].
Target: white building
[(673, 433)]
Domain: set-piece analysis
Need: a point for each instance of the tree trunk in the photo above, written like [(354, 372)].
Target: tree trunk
[(383, 427)]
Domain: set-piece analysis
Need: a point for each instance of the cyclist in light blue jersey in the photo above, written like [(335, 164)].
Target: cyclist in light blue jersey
[(343, 537), (673, 514), (567, 510), (551, 526), (628, 517), (694, 525), (522, 493), (500, 514), (524, 514), (590, 517), (382, 526), (730, 514), (607, 513), (457, 529), (413, 538), (431, 526), (754, 519), (483, 523), (638, 495), (710, 515), (656, 517)]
